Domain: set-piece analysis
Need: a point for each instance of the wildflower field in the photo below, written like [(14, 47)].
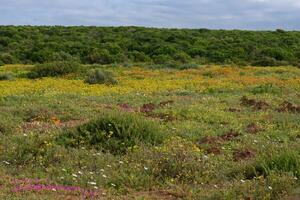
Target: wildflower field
[(210, 132)]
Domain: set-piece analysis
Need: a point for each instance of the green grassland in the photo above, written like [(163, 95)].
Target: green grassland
[(210, 132)]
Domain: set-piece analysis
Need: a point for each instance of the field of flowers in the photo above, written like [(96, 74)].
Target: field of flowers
[(212, 132)]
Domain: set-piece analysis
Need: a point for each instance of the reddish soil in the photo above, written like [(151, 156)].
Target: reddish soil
[(234, 110), (228, 136), (288, 107), (239, 155), (213, 150), (147, 108), (253, 129), (254, 104), (126, 107)]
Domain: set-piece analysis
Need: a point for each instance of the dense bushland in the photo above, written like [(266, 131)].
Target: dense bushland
[(54, 69), (106, 45)]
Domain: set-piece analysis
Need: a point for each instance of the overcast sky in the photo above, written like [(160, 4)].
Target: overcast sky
[(214, 14)]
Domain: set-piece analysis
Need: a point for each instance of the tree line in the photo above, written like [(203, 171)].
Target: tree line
[(108, 45)]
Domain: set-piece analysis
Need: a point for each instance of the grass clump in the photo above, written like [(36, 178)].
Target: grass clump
[(54, 69), (98, 76), (283, 162), (6, 77), (114, 133)]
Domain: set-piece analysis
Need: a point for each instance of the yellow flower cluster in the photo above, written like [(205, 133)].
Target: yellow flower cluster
[(151, 81)]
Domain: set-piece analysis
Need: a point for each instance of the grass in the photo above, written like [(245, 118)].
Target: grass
[(157, 134)]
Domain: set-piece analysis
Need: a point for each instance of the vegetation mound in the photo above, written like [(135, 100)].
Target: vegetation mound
[(54, 69), (98, 76), (114, 132)]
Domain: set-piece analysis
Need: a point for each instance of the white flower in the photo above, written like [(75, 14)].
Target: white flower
[(74, 175), (63, 169), (104, 176), (91, 173), (92, 183), (215, 186), (121, 162), (242, 181), (5, 162), (108, 166), (95, 187), (79, 172), (101, 170), (53, 189), (25, 135), (146, 168), (114, 185), (270, 188)]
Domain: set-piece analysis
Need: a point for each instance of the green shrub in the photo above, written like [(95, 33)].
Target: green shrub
[(54, 69), (6, 76), (266, 88), (1, 63), (188, 66), (265, 61), (7, 58), (98, 76), (114, 132)]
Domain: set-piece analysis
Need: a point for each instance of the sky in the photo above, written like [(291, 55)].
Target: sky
[(212, 14)]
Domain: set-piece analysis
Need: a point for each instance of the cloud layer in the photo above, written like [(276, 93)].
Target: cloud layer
[(216, 14)]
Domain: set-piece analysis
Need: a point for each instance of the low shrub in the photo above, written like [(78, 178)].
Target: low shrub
[(98, 76), (266, 88), (6, 77), (53, 69), (113, 132), (188, 66)]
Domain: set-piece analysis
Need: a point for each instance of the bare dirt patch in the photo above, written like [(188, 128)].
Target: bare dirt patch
[(126, 107), (147, 108), (254, 104), (253, 128), (234, 110), (228, 136), (239, 155), (213, 150), (288, 107)]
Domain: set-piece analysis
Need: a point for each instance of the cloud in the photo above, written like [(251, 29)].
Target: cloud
[(217, 14)]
